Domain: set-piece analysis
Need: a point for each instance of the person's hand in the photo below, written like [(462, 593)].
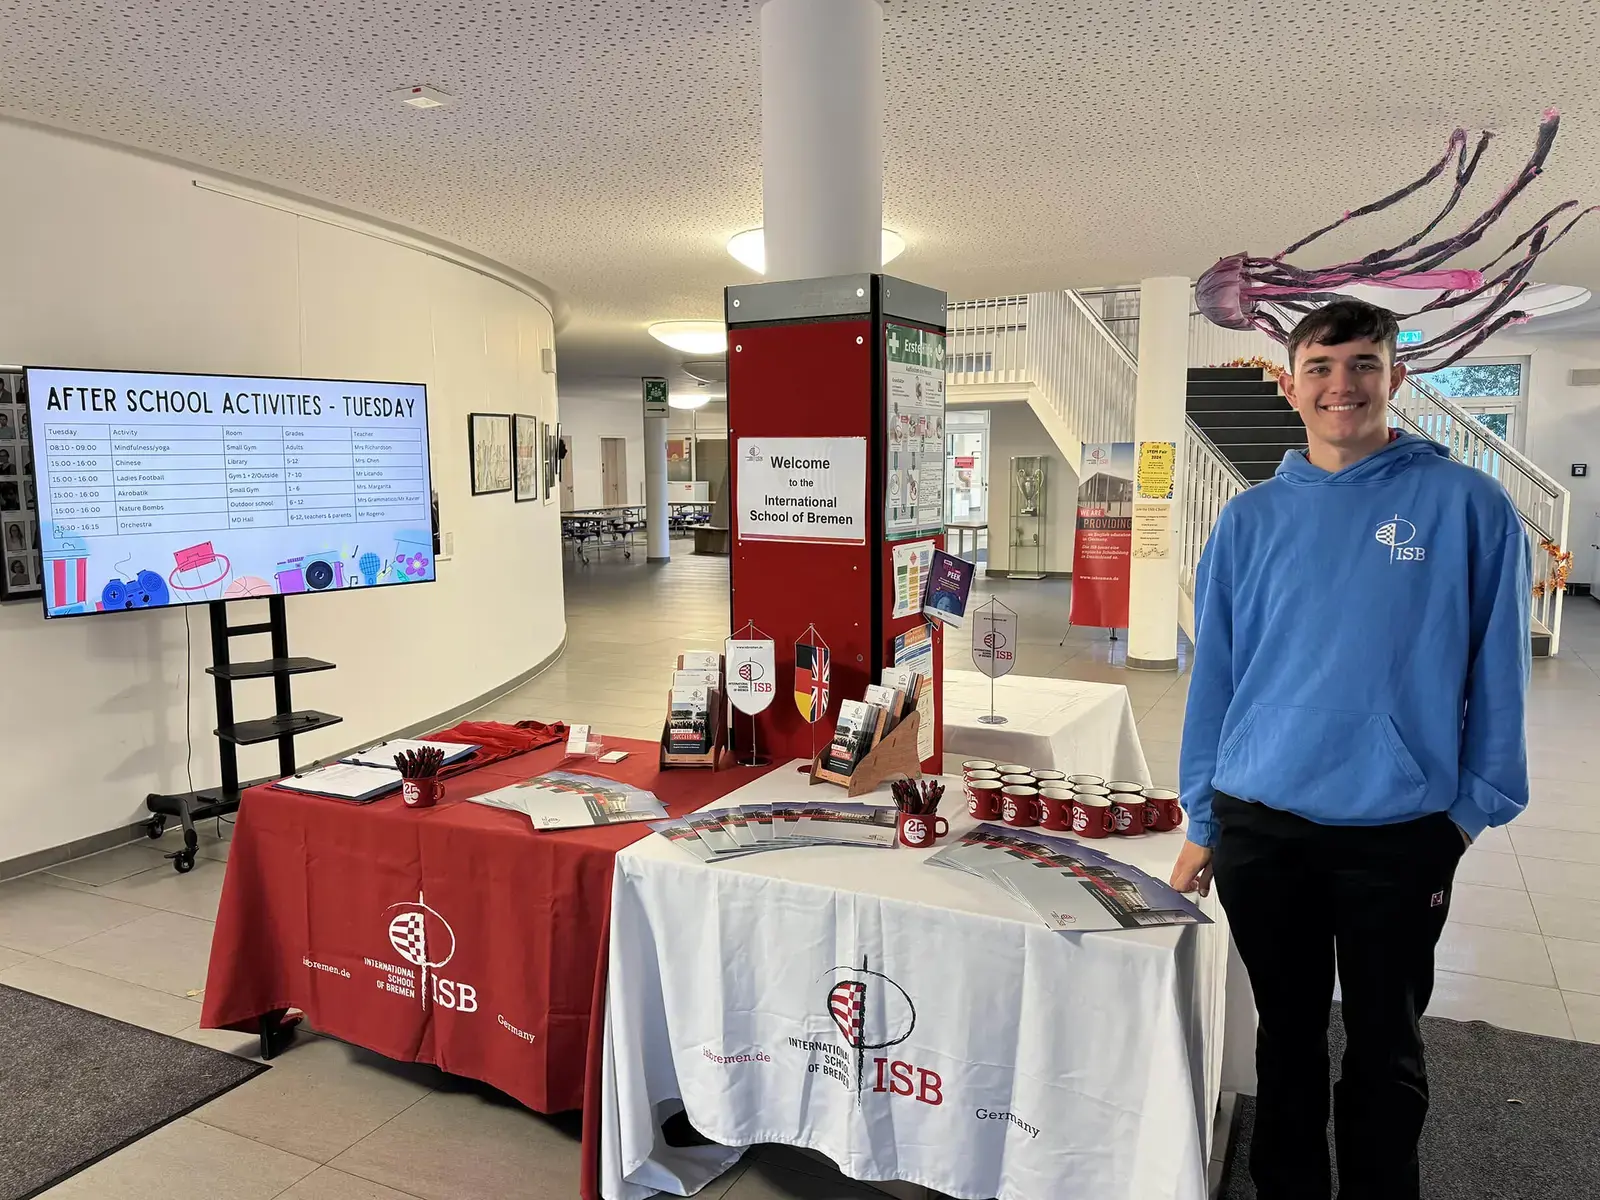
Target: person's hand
[(1192, 871)]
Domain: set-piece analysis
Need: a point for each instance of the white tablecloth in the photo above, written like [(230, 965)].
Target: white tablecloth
[(1069, 724), (1032, 1065)]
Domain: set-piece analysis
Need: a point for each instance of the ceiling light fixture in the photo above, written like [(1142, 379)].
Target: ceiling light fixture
[(688, 401), (422, 96), (750, 248), (692, 337)]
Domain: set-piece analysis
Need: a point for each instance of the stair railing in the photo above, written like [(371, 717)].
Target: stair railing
[(1084, 373), (1544, 505), (987, 341), (1209, 482)]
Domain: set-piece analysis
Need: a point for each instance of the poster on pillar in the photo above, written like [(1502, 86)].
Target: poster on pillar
[(1102, 549), (914, 415)]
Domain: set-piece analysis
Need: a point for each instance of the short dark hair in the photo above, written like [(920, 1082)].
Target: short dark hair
[(1345, 321)]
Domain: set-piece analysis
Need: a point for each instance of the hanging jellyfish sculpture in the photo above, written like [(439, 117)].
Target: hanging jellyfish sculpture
[(1232, 293)]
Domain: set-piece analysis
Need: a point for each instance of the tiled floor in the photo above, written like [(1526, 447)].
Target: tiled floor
[(122, 934)]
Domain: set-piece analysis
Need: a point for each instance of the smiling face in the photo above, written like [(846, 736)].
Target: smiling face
[(1342, 394)]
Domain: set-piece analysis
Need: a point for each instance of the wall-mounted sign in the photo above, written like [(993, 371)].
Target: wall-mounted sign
[(1408, 337), (655, 398)]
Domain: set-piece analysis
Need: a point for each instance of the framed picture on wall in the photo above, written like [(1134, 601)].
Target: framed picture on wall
[(552, 460), (530, 463), (490, 437), (20, 574)]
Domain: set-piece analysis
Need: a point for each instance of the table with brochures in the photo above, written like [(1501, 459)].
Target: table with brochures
[(455, 935), (943, 1027)]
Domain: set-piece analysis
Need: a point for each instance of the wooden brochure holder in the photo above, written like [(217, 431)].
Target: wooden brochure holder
[(716, 718), (894, 756)]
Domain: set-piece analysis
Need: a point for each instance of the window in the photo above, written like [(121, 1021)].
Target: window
[(1470, 380)]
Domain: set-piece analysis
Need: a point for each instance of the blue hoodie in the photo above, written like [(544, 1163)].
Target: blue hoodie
[(1362, 646)]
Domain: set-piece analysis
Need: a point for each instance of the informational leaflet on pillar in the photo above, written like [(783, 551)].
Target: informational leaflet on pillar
[(1152, 531), (914, 649), (803, 490), (914, 411), (911, 563), (1157, 462)]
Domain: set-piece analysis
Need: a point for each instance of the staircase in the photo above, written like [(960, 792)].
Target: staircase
[(1247, 419), (1057, 352)]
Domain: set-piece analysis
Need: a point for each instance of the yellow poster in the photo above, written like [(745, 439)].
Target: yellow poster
[(1157, 460), (1152, 530)]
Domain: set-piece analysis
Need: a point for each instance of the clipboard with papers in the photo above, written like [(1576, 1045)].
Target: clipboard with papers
[(344, 781), (383, 754)]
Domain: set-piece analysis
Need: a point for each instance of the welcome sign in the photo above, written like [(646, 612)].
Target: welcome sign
[(803, 490)]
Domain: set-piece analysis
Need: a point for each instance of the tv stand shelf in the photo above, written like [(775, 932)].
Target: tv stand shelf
[(283, 726), (250, 733)]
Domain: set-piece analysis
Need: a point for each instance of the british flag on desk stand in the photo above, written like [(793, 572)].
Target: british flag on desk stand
[(811, 672)]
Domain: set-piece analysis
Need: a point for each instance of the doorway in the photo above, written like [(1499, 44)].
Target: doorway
[(567, 501), (613, 471), (711, 465)]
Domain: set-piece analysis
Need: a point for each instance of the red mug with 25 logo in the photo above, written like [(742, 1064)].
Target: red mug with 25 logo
[(1019, 806), (983, 798), (1127, 814), (919, 831), (1162, 811), (1055, 804), (1091, 816)]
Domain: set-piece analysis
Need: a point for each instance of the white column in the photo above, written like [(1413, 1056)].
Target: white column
[(1158, 416), (822, 137), (659, 548)]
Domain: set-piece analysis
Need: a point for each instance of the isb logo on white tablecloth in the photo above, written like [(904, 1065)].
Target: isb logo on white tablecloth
[(871, 1012)]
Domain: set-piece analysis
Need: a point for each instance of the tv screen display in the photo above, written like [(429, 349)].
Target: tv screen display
[(167, 489)]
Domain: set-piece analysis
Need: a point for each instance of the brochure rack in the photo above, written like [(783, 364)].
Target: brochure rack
[(716, 721), (895, 756)]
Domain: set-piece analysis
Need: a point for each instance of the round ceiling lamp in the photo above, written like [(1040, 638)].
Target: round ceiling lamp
[(688, 400), (750, 248), (692, 337), (707, 370)]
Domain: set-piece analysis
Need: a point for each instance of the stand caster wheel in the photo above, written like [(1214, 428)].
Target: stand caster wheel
[(155, 826), (183, 862)]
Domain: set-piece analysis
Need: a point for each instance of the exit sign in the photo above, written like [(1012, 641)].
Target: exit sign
[(655, 398), (1408, 337)]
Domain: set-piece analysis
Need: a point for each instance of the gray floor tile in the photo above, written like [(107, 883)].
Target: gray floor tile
[(1498, 908), (111, 865), (103, 994), (187, 1161), (1566, 917), (327, 1184), (1577, 965), (1584, 1012), (1579, 881), (496, 1148), (1499, 1002), (194, 894), (1557, 814), (164, 951), (1496, 954), (320, 1098), (1487, 867), (37, 915), (10, 958), (1565, 844)]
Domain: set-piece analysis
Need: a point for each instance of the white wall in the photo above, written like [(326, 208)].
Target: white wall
[(116, 260), (1015, 432), (588, 418)]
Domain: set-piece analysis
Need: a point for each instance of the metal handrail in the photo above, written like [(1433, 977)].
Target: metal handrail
[(1105, 330)]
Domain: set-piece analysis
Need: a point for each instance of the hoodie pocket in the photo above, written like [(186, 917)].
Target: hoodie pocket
[(1323, 763)]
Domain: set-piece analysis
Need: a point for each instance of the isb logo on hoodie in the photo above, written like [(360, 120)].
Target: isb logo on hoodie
[(1398, 534)]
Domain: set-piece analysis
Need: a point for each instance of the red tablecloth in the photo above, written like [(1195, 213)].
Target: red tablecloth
[(454, 935)]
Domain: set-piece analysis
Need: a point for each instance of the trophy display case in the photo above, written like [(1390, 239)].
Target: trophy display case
[(1028, 506)]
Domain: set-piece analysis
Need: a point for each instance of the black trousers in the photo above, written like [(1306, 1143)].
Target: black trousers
[(1300, 895)]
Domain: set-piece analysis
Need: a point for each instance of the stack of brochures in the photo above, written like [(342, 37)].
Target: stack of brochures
[(739, 829), (370, 773), (564, 800), (1066, 884)]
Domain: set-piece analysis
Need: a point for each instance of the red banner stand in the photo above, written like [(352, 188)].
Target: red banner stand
[(809, 359)]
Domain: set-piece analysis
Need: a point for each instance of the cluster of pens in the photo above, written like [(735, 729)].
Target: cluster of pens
[(419, 764), (919, 798)]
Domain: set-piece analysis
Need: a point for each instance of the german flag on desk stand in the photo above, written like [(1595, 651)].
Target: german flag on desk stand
[(811, 672)]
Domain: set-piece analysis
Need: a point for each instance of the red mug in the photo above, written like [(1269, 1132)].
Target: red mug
[(977, 777), (1019, 806), (1124, 786), (1022, 779), (975, 766), (1078, 781), (1053, 778), (1056, 806), (919, 830), (1014, 769), (983, 799), (421, 793), (1091, 816), (1127, 814), (1090, 789), (1162, 811)]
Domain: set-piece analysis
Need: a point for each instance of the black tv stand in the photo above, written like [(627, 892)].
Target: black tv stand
[(283, 726)]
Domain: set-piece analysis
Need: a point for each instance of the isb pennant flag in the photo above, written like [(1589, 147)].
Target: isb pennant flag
[(811, 670)]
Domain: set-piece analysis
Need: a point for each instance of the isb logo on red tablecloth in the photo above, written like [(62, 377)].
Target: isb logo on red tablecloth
[(424, 939)]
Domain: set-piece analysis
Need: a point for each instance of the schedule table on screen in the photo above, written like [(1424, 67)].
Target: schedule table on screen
[(108, 478)]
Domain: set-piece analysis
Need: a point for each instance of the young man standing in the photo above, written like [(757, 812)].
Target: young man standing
[(1354, 720)]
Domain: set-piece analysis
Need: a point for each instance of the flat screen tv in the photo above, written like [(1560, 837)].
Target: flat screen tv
[(170, 489)]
